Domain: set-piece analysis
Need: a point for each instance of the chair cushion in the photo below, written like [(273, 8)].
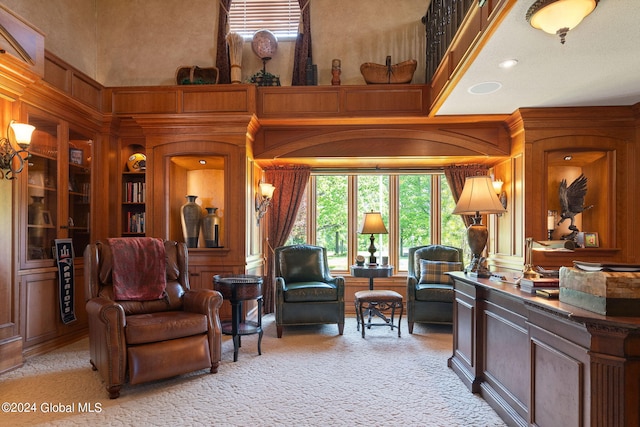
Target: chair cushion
[(435, 253), (378, 295), (310, 291), (162, 326), (434, 292), (434, 271)]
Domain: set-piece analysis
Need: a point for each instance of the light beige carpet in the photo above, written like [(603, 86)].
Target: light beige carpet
[(309, 377)]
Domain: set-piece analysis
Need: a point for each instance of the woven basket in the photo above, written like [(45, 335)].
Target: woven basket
[(196, 75), (401, 72)]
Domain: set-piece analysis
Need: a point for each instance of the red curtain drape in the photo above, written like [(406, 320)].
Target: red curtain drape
[(456, 176), (290, 183), (303, 46), (222, 52)]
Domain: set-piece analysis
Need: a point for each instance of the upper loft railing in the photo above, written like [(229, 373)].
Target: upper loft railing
[(456, 31), (442, 21)]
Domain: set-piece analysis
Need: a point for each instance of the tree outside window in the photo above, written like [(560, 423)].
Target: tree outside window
[(423, 203)]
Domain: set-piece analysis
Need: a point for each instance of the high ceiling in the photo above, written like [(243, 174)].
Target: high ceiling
[(599, 65)]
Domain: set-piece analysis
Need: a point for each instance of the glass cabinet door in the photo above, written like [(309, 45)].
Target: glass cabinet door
[(58, 197), (79, 186), (42, 209)]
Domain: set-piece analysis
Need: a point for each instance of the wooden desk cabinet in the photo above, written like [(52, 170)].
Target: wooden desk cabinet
[(542, 362)]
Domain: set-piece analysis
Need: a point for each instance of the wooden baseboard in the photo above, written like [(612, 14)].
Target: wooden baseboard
[(11, 354)]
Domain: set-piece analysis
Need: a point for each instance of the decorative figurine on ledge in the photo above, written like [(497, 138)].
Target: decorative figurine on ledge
[(572, 203)]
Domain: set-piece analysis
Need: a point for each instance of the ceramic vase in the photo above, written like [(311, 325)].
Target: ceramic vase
[(35, 210), (36, 234), (190, 215), (211, 228)]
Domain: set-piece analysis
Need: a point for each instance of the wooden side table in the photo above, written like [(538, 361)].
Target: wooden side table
[(239, 288), (372, 272)]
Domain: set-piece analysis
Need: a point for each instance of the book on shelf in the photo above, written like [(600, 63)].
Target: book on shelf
[(531, 285)]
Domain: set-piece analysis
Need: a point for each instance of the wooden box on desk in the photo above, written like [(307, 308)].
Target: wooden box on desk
[(602, 292)]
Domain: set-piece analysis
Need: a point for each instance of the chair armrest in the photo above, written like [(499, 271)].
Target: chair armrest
[(208, 302), (411, 288), (107, 342), (203, 301), (338, 281), (107, 312)]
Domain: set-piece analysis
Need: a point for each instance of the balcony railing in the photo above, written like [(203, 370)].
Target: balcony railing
[(442, 21)]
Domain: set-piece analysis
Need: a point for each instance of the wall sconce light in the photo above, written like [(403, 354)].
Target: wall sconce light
[(559, 16), (502, 195), (22, 138), (263, 199)]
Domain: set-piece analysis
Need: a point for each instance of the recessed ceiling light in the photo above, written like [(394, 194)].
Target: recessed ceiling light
[(485, 88), (202, 161), (508, 63), (568, 157)]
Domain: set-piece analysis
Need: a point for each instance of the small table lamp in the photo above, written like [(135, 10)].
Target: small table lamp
[(478, 197), (372, 224)]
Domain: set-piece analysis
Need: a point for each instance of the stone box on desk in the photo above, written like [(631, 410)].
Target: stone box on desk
[(603, 292)]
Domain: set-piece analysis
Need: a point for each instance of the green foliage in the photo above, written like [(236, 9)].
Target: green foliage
[(332, 215), (415, 211), (264, 78), (372, 194)]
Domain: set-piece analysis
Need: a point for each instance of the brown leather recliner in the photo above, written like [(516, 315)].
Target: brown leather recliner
[(147, 340)]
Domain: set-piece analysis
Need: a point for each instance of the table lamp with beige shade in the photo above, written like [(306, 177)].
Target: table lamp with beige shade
[(373, 224), (478, 197)]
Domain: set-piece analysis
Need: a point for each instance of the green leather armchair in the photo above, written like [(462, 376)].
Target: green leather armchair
[(429, 289), (306, 294)]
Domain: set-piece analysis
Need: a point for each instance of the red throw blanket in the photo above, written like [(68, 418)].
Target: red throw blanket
[(139, 268)]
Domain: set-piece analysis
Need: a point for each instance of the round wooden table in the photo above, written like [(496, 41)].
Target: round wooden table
[(371, 271), (236, 289)]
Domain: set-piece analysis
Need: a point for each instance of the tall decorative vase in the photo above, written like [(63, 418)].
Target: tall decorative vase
[(211, 228), (35, 210), (190, 214), (36, 234)]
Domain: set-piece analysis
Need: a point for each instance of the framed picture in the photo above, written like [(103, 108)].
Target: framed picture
[(46, 218), (591, 240), (75, 156)]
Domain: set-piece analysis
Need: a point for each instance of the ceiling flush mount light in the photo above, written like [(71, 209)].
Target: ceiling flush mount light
[(12, 161), (559, 16)]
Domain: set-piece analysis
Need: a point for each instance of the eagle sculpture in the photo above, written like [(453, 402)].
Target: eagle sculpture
[(572, 203)]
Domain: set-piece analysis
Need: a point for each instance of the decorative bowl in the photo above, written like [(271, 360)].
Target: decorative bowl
[(401, 72)]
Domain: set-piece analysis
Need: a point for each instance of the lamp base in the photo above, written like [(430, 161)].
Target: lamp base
[(478, 268), (479, 275), (372, 250)]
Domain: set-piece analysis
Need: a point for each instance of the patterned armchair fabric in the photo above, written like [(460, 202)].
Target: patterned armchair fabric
[(306, 293), (141, 339), (429, 289)]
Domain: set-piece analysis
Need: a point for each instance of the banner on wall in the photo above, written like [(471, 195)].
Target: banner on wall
[(66, 282)]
